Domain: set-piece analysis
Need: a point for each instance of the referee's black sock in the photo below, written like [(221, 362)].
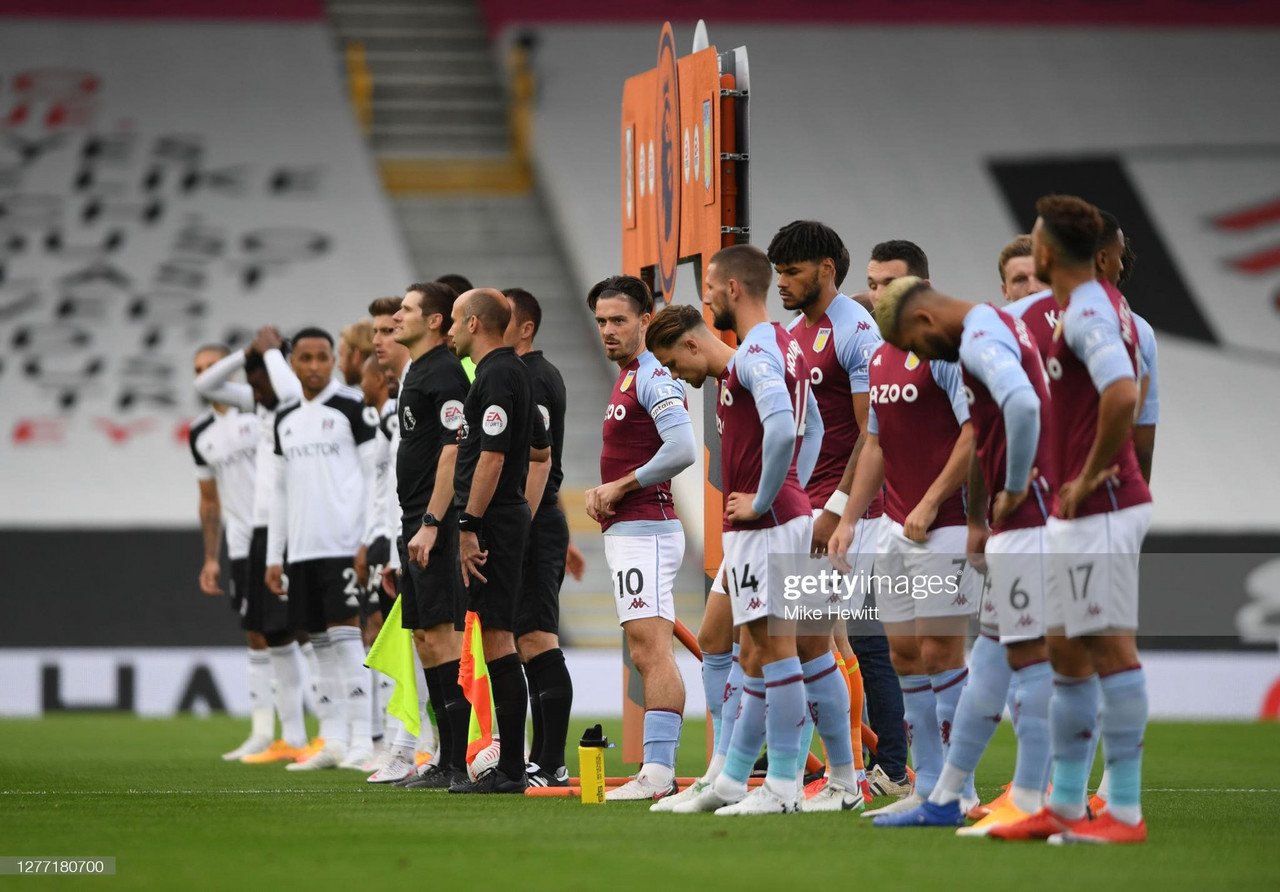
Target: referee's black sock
[(459, 712), (510, 698), (535, 714), (555, 696), (436, 696)]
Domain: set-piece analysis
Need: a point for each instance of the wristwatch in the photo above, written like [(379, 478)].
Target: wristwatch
[(430, 520)]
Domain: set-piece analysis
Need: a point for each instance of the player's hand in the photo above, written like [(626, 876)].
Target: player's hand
[(922, 516), (1006, 504), (420, 545), (266, 339), (209, 574), (1075, 491), (372, 626), (274, 579), (738, 507), (603, 500), (361, 565), (575, 562), (471, 558), (976, 547), (838, 545), (391, 581), (823, 526)]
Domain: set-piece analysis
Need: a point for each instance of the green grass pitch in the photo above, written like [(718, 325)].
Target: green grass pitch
[(155, 795)]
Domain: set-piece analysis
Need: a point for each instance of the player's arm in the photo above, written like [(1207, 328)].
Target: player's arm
[(277, 523), (956, 470), (535, 479), (976, 516), (575, 562), (763, 377), (283, 381), (855, 355), (811, 430), (1096, 340), (1144, 428), (216, 386), (868, 480), (211, 535), (448, 393)]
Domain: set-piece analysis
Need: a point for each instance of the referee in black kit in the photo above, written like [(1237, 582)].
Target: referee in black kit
[(502, 432)]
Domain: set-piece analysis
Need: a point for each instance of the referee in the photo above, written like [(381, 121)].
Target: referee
[(538, 616), (501, 433)]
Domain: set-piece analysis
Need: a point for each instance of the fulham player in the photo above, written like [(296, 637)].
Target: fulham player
[(648, 439), (324, 454)]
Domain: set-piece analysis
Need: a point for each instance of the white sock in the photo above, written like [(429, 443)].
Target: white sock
[(843, 775), (949, 785), (427, 741), (262, 715), (714, 767), (286, 666), (658, 775), (1029, 801), (311, 686), (349, 650), (329, 700), (1104, 785)]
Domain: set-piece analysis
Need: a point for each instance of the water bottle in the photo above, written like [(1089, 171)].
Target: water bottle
[(591, 764)]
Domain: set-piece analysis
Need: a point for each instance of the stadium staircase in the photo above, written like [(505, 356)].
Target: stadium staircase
[(448, 122)]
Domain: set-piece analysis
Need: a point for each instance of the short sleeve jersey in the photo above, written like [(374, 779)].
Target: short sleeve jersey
[(998, 358), (550, 399), (224, 448), (838, 348), (917, 408), (499, 415), (429, 411), (646, 401), (1096, 345), (319, 441), (767, 375)]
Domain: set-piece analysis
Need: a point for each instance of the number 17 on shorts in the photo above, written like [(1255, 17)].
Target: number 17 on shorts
[(643, 572)]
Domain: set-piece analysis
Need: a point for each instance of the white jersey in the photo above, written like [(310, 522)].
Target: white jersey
[(324, 451), (391, 427), (379, 514), (223, 446)]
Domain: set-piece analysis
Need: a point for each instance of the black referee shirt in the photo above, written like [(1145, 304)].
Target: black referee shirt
[(500, 417), (430, 410), (549, 397)]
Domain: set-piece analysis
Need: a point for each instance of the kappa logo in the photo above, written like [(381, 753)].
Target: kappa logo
[(451, 415), (1088, 313), (1025, 621), (660, 373), (327, 424), (813, 712), (979, 334), (944, 728), (728, 692), (1094, 610), (754, 348), (1084, 734), (960, 599), (755, 604), (408, 422), (864, 326), (495, 420), (638, 604)]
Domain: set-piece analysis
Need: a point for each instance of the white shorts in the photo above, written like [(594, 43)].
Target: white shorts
[(1095, 569), (861, 555), (1017, 583), (746, 562), (920, 580), (643, 571)]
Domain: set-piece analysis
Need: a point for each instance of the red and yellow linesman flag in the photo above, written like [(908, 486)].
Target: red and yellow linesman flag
[(473, 678), (392, 655)]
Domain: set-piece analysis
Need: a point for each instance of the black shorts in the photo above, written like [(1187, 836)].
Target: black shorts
[(375, 597), (322, 593), (238, 590), (432, 595), (539, 607), (262, 611), (506, 532)]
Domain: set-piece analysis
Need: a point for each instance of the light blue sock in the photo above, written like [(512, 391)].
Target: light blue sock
[(661, 737), (1124, 721), (922, 730), (981, 705), (827, 694), (1011, 701), (947, 688), (715, 673), (1073, 719), (747, 734), (784, 719), (732, 704), (1035, 690)]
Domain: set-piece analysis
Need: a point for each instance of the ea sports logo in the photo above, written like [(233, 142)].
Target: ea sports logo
[(451, 415), (1054, 368), (615, 411), (495, 421)]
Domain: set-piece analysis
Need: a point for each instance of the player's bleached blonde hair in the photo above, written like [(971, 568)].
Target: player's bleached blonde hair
[(359, 335), (888, 311)]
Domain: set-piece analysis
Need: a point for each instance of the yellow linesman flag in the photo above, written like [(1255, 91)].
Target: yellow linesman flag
[(392, 655)]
